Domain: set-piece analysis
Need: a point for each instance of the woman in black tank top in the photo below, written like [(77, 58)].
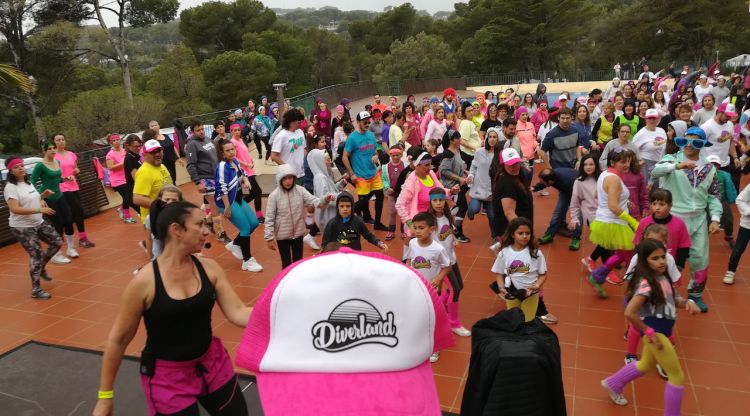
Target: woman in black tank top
[(182, 364)]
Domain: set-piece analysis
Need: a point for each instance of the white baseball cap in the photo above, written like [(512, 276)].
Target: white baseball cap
[(510, 156), (363, 115), (713, 159), (151, 146), (652, 113), (346, 332)]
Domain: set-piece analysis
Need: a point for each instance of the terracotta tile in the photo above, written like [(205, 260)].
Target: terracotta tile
[(700, 328), (31, 323), (584, 406), (10, 340), (62, 329), (228, 332), (567, 332), (738, 332), (70, 289), (452, 364), (719, 352), (35, 305), (100, 294), (598, 359), (716, 375), (447, 388), (649, 393), (95, 335), (588, 385), (602, 318), (67, 307), (98, 312), (722, 402), (601, 337)]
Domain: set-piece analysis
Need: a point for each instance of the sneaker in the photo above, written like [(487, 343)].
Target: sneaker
[(614, 278), (251, 265), (310, 241), (40, 293), (699, 302), (461, 332), (380, 227), (662, 373), (60, 259), (543, 193), (495, 247), (629, 358), (119, 213), (575, 244), (589, 264), (463, 239), (434, 357), (234, 249), (390, 236), (617, 398), (130, 220), (223, 238), (46, 276), (72, 253), (86, 243), (545, 239), (548, 319), (728, 278), (597, 287)]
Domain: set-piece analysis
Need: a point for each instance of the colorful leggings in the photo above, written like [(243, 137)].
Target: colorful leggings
[(30, 239), (243, 217), (528, 306), (666, 357), (698, 229)]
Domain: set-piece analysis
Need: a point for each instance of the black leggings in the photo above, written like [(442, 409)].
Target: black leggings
[(461, 202), (290, 251), (61, 219), (600, 252), (256, 194), (126, 193), (743, 237), (363, 205), (227, 400), (258, 140), (73, 198), (457, 282)]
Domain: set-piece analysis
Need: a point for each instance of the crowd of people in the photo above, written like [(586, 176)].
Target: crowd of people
[(650, 167)]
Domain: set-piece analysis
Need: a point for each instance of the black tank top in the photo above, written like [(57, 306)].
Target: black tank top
[(179, 330)]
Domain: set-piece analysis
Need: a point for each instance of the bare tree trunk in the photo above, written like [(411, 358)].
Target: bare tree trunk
[(30, 101), (118, 44)]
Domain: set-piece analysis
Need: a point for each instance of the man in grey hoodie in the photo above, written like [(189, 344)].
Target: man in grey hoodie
[(452, 173), (201, 166)]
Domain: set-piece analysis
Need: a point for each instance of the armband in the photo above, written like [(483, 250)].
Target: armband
[(106, 394)]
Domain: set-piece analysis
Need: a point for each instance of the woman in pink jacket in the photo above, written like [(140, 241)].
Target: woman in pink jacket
[(415, 193), (437, 126), (540, 116)]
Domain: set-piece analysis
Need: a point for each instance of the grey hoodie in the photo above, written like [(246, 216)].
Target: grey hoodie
[(481, 187), (680, 127), (323, 185), (285, 217), (201, 158)]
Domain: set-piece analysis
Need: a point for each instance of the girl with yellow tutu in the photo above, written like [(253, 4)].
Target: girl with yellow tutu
[(613, 229)]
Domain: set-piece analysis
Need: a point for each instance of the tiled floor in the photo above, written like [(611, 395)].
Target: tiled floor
[(714, 348)]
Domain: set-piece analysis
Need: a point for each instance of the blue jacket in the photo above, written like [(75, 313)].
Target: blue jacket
[(227, 179)]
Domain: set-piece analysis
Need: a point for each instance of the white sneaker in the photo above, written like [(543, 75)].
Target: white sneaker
[(310, 241), (495, 247), (60, 259), (251, 265), (434, 357), (461, 332), (72, 253), (728, 278), (617, 398), (234, 249)]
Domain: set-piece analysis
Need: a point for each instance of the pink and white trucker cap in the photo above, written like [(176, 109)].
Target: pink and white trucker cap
[(346, 333)]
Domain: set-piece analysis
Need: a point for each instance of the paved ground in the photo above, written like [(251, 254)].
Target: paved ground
[(714, 348)]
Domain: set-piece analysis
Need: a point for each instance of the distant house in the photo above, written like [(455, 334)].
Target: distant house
[(442, 15)]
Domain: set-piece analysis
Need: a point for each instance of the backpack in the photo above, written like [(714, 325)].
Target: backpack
[(515, 368)]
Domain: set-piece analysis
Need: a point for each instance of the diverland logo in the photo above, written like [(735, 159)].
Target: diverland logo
[(352, 323)]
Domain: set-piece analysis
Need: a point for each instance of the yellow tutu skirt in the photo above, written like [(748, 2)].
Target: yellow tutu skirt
[(612, 236)]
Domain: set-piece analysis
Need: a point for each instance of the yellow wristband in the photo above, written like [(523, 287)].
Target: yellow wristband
[(106, 394)]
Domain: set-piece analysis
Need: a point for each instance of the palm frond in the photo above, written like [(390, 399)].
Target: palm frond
[(10, 75)]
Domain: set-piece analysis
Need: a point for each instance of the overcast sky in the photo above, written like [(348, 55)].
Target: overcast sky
[(431, 6)]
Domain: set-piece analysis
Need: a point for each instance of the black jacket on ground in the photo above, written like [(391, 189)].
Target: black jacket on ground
[(515, 369)]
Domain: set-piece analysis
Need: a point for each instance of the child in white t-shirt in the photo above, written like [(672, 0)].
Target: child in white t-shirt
[(427, 256), (521, 268)]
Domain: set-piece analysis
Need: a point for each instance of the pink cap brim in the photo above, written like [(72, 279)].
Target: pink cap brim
[(512, 161), (409, 392), (730, 114)]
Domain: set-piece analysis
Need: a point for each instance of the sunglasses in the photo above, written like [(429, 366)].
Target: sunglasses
[(694, 143)]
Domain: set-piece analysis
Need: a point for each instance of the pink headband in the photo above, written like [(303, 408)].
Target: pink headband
[(13, 163)]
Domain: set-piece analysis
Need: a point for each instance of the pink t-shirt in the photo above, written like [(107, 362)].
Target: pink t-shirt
[(678, 233), (243, 155), (423, 199), (68, 163), (116, 177)]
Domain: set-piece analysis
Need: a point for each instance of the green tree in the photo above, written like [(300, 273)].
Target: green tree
[(421, 56), (397, 24), (179, 81), (215, 27), (294, 58), (93, 114), (233, 77), (137, 13), (332, 61)]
